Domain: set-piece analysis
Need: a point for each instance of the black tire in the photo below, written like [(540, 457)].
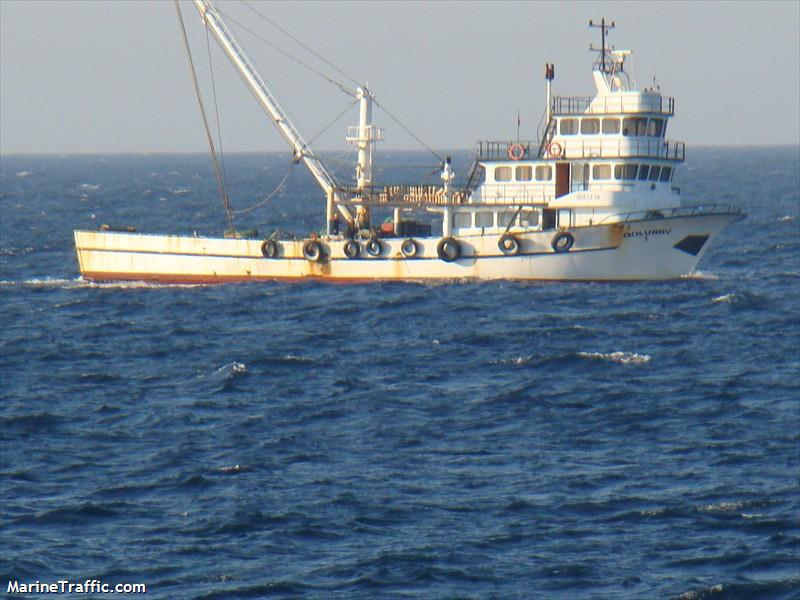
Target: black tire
[(312, 251), (269, 249), (562, 241), (409, 248), (352, 249), (448, 249), (508, 244), (374, 247)]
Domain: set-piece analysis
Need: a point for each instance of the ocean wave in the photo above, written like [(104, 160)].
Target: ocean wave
[(231, 369), (89, 186), (622, 358)]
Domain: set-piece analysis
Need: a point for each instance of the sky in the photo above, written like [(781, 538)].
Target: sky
[(112, 76)]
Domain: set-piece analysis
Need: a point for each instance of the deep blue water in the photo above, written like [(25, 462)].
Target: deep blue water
[(474, 440)]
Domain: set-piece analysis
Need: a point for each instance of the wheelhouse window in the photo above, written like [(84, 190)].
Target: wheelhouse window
[(610, 126), (590, 126), (568, 126), (544, 173), (529, 218), (655, 127), (601, 172), (644, 171), (523, 173), (504, 218), (484, 219), (666, 172), (502, 173), (625, 171), (462, 220), (655, 171), (634, 126)]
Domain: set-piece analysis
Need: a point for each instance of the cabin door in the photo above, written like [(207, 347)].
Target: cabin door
[(562, 179)]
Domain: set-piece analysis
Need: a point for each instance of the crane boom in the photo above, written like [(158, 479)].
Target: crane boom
[(266, 99)]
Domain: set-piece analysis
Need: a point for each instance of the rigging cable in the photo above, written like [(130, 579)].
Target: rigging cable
[(301, 44), (270, 196), (408, 131), (338, 84), (216, 111), (217, 172)]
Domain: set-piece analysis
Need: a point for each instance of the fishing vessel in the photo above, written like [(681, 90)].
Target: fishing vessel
[(592, 199)]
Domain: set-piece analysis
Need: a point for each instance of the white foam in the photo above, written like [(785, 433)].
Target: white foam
[(725, 299), (700, 275), (786, 218), (622, 358), (89, 186), (24, 174)]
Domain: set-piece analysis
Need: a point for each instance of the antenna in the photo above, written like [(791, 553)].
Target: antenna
[(604, 29)]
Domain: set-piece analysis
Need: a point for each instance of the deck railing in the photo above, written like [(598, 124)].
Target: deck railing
[(648, 103), (624, 148)]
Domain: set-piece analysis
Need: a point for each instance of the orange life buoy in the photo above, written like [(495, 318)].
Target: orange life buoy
[(516, 151), (555, 150)]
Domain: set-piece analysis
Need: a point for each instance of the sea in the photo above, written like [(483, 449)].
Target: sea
[(393, 440)]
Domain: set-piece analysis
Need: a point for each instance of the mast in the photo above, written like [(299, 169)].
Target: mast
[(226, 39)]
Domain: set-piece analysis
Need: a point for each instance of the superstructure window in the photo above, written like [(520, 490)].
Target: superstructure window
[(610, 126), (590, 126), (462, 220), (504, 218), (655, 171), (634, 126), (502, 173), (625, 171), (529, 218), (666, 172), (601, 172), (523, 173), (568, 126), (544, 173), (484, 219), (644, 171), (655, 127)]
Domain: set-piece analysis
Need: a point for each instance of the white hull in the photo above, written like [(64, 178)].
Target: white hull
[(640, 250)]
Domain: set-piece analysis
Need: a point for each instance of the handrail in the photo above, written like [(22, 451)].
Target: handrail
[(646, 103), (626, 147), (494, 150)]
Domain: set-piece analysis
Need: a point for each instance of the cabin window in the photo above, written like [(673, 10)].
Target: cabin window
[(634, 126), (529, 218), (544, 173), (568, 126), (504, 218), (484, 219), (502, 173), (665, 173), (610, 126), (655, 127), (655, 171), (590, 126), (625, 171), (462, 220), (523, 173), (601, 172), (644, 170)]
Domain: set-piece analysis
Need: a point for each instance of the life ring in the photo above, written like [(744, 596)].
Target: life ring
[(374, 247), (269, 249), (508, 244), (562, 241), (555, 150), (516, 151), (409, 248), (448, 249), (351, 249), (312, 251)]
